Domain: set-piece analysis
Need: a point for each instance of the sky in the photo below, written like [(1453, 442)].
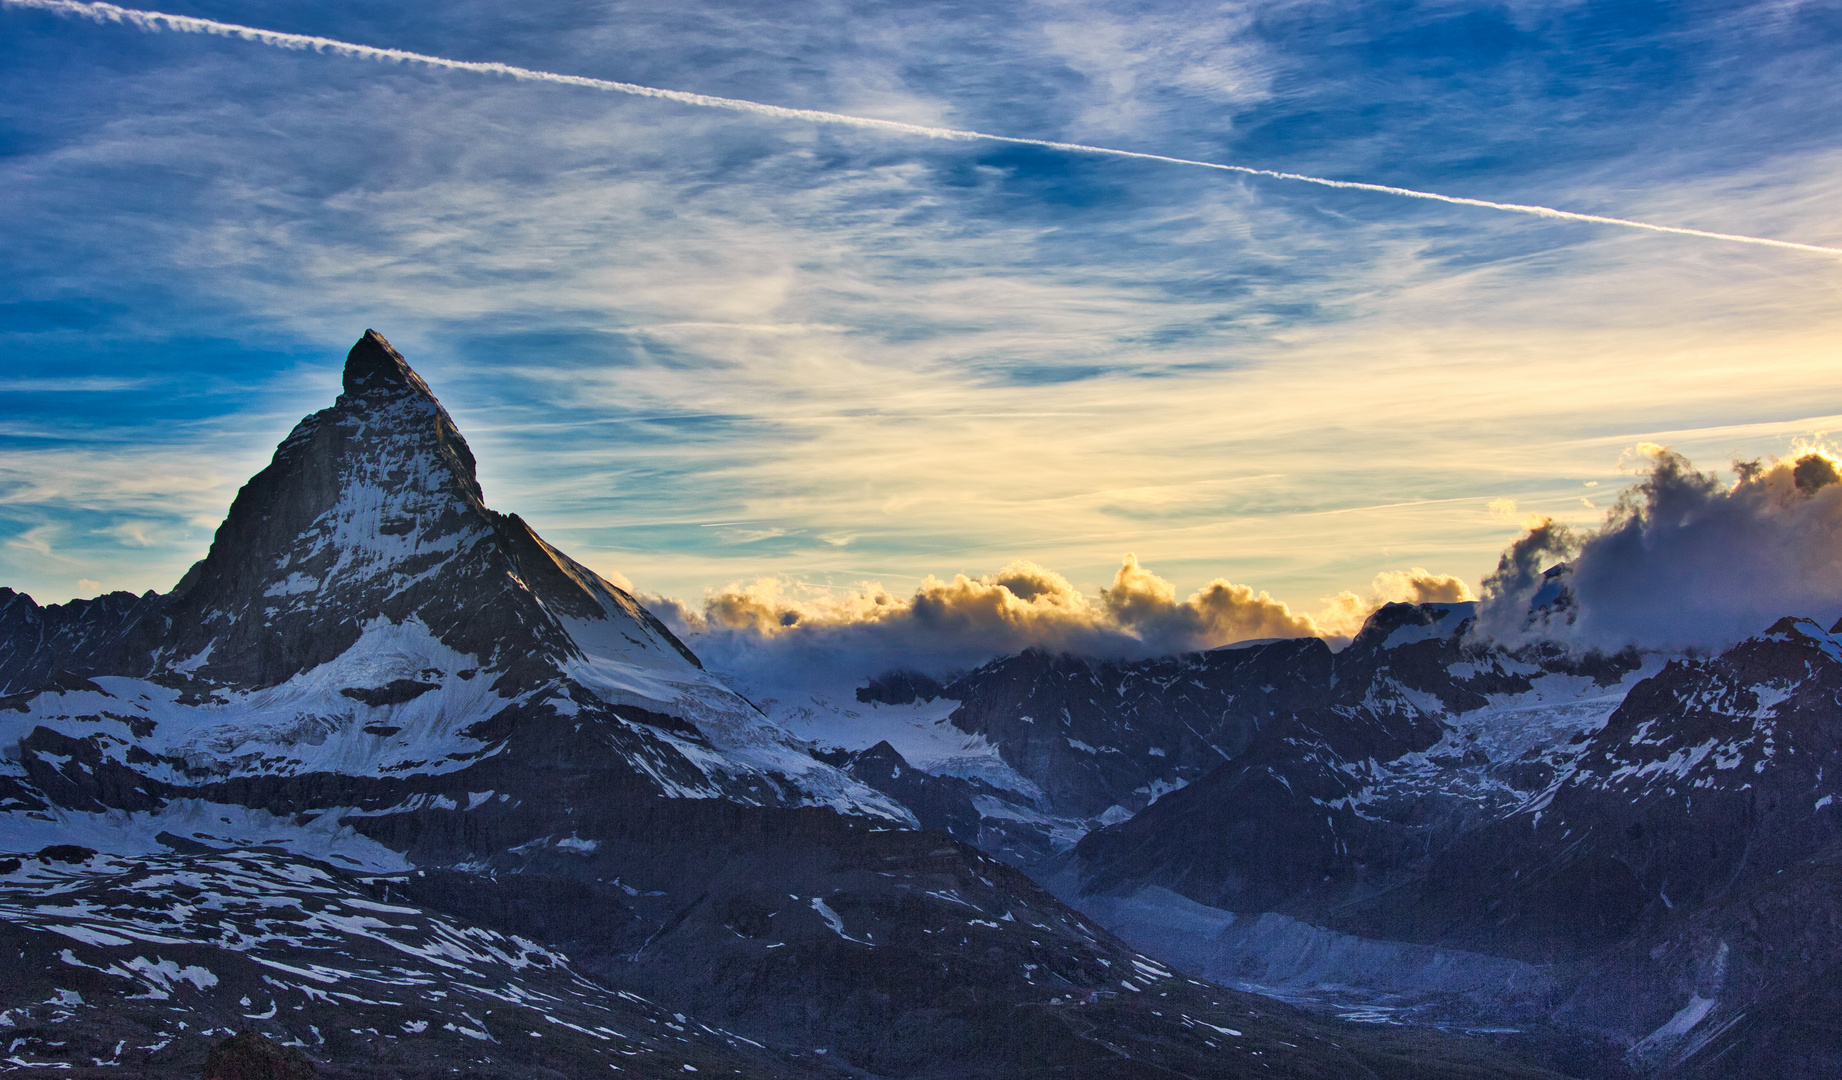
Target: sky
[(723, 354)]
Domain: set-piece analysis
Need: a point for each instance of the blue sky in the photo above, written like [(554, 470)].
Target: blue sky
[(697, 348)]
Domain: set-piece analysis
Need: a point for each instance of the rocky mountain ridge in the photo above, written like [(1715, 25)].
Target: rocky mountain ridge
[(1088, 743), (1621, 856), (1634, 859), (362, 614)]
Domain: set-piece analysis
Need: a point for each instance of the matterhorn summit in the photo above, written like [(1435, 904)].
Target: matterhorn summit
[(370, 519), (366, 634)]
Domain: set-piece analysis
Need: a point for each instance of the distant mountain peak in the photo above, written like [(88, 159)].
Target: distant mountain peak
[(369, 508)]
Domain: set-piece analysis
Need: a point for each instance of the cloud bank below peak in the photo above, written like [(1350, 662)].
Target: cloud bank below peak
[(771, 631), (1683, 561)]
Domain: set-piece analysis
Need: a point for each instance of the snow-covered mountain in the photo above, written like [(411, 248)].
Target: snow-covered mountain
[(1413, 734), (1685, 860), (362, 615), (388, 778)]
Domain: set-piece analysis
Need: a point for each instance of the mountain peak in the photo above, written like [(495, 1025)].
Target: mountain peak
[(374, 366)]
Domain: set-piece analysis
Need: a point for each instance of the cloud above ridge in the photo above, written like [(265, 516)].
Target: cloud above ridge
[(772, 631), (1684, 560)]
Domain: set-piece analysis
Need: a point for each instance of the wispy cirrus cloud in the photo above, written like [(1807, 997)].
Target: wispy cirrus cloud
[(896, 359), (158, 21)]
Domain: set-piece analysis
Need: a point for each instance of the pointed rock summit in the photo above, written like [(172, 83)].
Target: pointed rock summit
[(371, 516), (370, 510), (376, 375), (374, 366), (363, 614)]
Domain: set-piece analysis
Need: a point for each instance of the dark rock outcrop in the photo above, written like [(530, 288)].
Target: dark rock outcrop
[(1096, 734), (899, 688), (248, 1055), (944, 803)]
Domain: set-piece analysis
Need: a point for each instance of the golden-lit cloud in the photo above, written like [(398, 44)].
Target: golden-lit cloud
[(1343, 614), (1216, 614), (1420, 586), (768, 628), (1023, 604)]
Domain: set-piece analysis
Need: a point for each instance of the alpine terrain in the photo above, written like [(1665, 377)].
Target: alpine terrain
[(1629, 861), (388, 780)]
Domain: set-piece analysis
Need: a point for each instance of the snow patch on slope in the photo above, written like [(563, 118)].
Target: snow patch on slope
[(324, 836), (307, 724), (830, 717)]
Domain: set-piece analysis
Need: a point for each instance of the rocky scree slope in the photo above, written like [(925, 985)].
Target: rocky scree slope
[(137, 966)]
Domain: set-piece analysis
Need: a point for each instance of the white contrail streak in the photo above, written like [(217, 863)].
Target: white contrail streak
[(154, 21)]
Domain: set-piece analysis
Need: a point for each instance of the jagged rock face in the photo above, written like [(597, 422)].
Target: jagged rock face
[(945, 803), (1279, 742), (1082, 743), (1686, 863), (366, 638), (1085, 743), (1670, 859), (1710, 773)]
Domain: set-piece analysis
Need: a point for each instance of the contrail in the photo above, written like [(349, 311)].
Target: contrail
[(155, 21)]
